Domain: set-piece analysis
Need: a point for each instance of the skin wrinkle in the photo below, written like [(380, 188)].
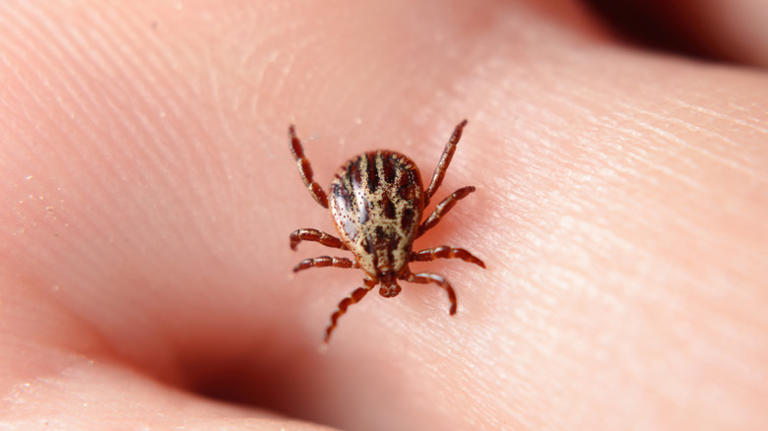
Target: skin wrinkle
[(169, 157), (691, 182), (693, 148), (75, 96), (209, 166), (75, 390), (630, 108)]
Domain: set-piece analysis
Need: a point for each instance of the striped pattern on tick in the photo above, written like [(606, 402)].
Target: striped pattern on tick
[(377, 202)]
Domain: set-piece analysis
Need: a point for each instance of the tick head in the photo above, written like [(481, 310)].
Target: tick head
[(389, 286)]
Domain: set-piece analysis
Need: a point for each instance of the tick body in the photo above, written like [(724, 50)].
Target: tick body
[(377, 201)]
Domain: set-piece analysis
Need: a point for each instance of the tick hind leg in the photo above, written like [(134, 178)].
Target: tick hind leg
[(353, 298), (445, 160), (309, 234), (425, 277), (445, 252), (442, 209), (305, 169), (338, 262)]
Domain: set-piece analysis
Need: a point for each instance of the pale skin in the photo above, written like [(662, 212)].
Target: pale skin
[(148, 196)]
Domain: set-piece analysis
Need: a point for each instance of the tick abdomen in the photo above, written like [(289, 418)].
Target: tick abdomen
[(376, 202)]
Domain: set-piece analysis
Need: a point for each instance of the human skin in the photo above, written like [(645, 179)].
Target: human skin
[(148, 193)]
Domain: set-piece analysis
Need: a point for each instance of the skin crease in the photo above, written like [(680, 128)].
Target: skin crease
[(149, 192), (732, 30)]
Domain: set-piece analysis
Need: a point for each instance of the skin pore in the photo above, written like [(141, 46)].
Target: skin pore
[(149, 191)]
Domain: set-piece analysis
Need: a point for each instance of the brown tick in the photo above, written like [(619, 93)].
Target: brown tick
[(377, 201)]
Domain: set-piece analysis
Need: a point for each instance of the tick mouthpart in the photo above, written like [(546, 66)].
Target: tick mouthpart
[(388, 291), (389, 287)]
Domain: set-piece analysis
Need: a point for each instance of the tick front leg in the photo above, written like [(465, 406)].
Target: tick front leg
[(445, 160), (305, 169), (353, 298), (338, 262), (309, 234), (442, 209), (425, 277), (445, 252)]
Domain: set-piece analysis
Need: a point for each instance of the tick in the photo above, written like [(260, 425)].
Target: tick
[(377, 201)]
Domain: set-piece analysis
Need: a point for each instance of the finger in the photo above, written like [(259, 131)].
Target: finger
[(96, 394), (618, 201)]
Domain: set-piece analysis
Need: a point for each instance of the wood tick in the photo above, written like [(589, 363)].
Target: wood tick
[(377, 200)]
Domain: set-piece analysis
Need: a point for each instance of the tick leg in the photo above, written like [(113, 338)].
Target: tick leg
[(445, 252), (305, 169), (425, 277), (338, 262), (309, 234), (353, 298), (443, 208), (445, 160)]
